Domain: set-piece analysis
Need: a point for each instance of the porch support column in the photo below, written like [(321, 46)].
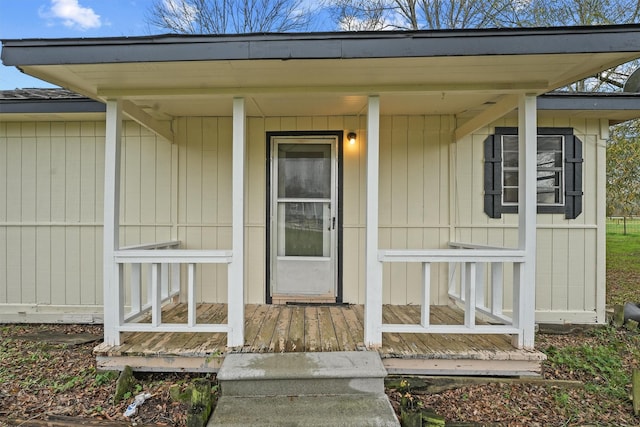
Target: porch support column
[(524, 292), (373, 276), (235, 284), (112, 294)]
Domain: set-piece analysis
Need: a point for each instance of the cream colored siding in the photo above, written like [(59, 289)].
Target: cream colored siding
[(431, 192), (414, 203), (50, 214), (570, 264)]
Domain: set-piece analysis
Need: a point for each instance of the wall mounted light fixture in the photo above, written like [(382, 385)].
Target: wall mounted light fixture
[(351, 137)]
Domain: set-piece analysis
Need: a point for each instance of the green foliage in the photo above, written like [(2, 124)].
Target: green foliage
[(66, 383), (602, 363), (105, 377), (562, 398), (623, 169), (623, 268)]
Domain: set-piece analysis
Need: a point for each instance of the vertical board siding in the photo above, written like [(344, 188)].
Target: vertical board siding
[(51, 202), (51, 207), (568, 253)]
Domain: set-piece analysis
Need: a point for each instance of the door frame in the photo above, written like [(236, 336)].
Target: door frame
[(339, 135)]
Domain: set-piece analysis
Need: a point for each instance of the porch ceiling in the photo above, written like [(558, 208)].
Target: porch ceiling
[(442, 85)]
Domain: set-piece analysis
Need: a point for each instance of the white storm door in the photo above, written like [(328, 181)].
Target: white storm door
[(304, 217)]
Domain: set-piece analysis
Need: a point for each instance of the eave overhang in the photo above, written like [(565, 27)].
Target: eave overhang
[(457, 72)]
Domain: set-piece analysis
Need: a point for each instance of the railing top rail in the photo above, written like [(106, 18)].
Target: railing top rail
[(174, 256), (157, 245), (464, 245), (451, 255)]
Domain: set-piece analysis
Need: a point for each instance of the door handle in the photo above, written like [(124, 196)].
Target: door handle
[(333, 223)]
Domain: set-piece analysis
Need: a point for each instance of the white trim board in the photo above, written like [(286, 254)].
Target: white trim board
[(43, 313)]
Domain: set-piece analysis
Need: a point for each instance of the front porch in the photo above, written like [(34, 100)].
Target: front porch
[(321, 328)]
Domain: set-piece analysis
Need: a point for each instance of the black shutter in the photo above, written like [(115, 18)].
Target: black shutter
[(492, 176), (573, 177)]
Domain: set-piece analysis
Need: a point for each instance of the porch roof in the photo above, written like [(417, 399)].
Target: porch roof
[(460, 72)]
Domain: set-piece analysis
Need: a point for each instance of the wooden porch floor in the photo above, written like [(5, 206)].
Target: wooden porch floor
[(297, 328)]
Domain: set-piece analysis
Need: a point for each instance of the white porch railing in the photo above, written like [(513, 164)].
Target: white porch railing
[(489, 293), (163, 263), (472, 261)]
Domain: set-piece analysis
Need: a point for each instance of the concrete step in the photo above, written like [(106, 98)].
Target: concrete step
[(341, 410), (302, 374)]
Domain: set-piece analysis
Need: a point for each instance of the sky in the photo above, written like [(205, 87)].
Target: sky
[(22, 19)]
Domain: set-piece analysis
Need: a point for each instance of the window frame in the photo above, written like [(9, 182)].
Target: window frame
[(571, 165)]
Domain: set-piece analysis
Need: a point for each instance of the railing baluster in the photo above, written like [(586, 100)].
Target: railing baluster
[(470, 295), (175, 278), (453, 266), (191, 298), (120, 289), (136, 289), (480, 285), (497, 283), (463, 280), (518, 280), (426, 294), (149, 299), (156, 299), (164, 280)]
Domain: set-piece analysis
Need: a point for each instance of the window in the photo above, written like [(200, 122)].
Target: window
[(559, 172)]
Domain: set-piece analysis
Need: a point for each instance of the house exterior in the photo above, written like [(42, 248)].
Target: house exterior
[(397, 168)]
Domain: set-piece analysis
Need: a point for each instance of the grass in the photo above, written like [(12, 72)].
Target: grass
[(623, 265), (600, 360)]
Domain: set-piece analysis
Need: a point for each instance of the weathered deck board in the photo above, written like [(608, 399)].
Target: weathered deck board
[(311, 330), (264, 337), (394, 344), (295, 341), (297, 328), (420, 343), (252, 327), (343, 328)]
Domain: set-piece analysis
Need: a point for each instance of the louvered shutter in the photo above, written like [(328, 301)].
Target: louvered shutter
[(492, 176), (573, 177)]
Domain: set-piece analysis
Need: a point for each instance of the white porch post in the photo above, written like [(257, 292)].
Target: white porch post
[(373, 276), (235, 285), (524, 292), (112, 294)]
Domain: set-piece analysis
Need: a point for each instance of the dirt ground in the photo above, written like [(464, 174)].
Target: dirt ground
[(47, 379)]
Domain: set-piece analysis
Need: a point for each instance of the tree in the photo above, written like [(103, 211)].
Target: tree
[(456, 14), (623, 170), (230, 16), (413, 14)]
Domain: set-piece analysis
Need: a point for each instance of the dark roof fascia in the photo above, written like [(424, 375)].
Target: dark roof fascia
[(336, 45), (584, 101), (49, 106)]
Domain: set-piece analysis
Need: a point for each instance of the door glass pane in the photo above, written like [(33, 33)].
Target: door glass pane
[(304, 171), (304, 229)]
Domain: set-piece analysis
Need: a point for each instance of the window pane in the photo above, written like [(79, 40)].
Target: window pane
[(546, 160), (549, 159), (509, 143), (510, 195), (303, 229), (510, 159), (511, 179), (548, 198), (304, 171), (550, 143)]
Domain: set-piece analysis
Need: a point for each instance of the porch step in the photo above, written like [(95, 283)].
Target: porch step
[(290, 411), (303, 389), (300, 374)]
